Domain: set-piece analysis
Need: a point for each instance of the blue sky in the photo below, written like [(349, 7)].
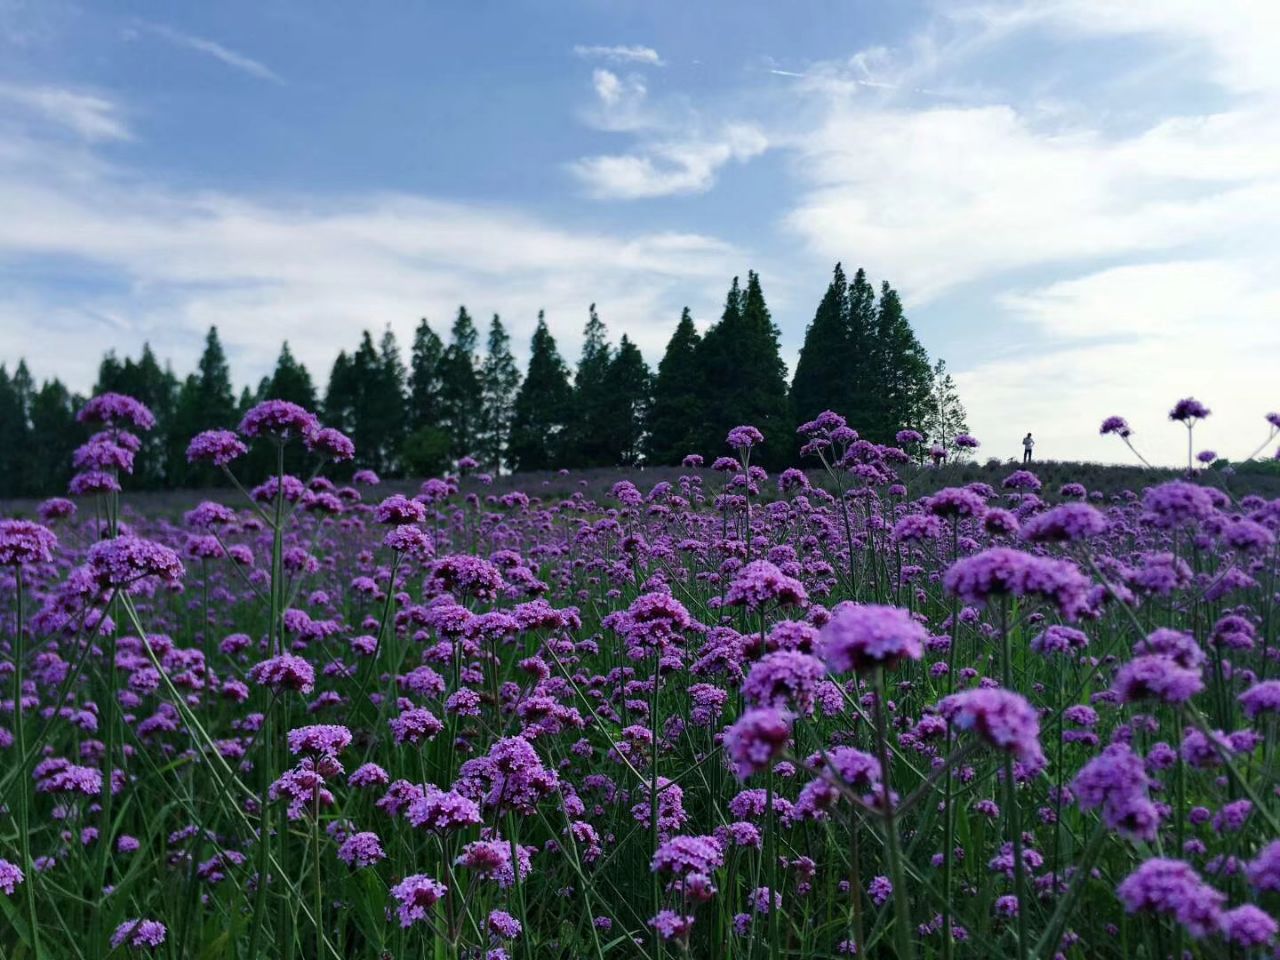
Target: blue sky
[(1077, 199)]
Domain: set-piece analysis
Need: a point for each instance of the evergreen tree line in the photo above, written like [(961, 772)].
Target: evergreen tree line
[(453, 399)]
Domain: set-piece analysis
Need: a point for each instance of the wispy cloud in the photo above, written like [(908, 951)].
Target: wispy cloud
[(232, 58), (163, 265), (620, 54), (667, 168), (88, 115)]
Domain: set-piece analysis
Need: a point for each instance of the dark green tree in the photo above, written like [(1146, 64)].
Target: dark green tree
[(863, 403), (541, 410), (589, 426), (822, 371), (424, 377), (53, 425), (460, 386), (743, 377), (15, 429), (499, 381), (629, 402), (675, 419), (901, 374), (205, 401), (291, 381)]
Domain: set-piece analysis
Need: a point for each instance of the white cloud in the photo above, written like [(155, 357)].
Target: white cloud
[(232, 58), (87, 115), (1131, 341), (670, 167), (620, 54), (162, 266)]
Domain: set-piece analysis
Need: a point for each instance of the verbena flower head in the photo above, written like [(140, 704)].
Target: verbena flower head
[(785, 678), (322, 738), (685, 855), (1117, 425), (1188, 410), (761, 582), (744, 437), (11, 877), (23, 543), (416, 895), (1001, 717), (1171, 886), (117, 409), (361, 850), (128, 560), (139, 934), (1261, 698), (1117, 781), (330, 444), (1003, 571), (862, 637), (1157, 677), (1176, 503), (280, 419), (756, 739), (1067, 523), (286, 672), (443, 810), (218, 447)]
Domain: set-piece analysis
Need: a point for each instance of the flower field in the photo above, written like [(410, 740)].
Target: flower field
[(730, 715)]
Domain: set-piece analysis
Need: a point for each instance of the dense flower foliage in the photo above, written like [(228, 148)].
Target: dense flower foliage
[(826, 715)]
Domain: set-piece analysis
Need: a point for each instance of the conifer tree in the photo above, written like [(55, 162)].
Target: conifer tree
[(675, 420), (629, 400), (589, 425), (460, 386), (204, 402), (542, 403), (499, 381), (944, 418), (53, 422), (424, 377), (902, 376), (15, 430), (822, 371), (291, 381), (341, 395), (743, 376), (862, 399)]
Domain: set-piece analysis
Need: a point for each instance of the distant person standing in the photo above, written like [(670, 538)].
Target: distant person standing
[(1027, 444)]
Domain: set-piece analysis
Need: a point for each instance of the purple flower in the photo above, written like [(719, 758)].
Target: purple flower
[(1116, 425), (1059, 639), (956, 502), (1173, 887), (1264, 870), (23, 543), (1003, 571), (1175, 504), (1188, 410), (416, 895), (685, 855), (330, 444), (745, 437), (784, 678), (1247, 926), (56, 508), (671, 925), (756, 739), (761, 582), (415, 725), (1261, 698), (285, 672), (128, 560), (329, 739), (1021, 480), (1002, 718), (361, 850), (399, 509), (10, 877), (1117, 781), (1068, 523), (862, 637), (218, 447), (1158, 677), (114, 409), (443, 810), (279, 419), (491, 859), (504, 925), (139, 934)]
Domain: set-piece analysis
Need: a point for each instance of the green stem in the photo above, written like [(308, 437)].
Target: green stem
[(901, 909)]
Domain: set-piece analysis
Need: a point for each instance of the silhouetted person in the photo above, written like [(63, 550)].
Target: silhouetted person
[(1027, 444)]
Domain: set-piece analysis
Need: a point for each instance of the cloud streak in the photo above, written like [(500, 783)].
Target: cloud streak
[(231, 58), (645, 56)]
